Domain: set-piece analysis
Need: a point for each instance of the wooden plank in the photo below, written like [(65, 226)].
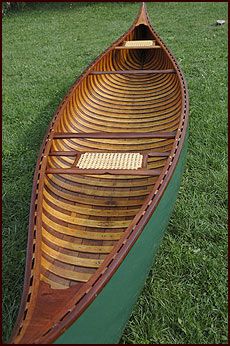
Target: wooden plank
[(77, 158), (143, 172), (114, 135), (74, 153), (80, 234), (145, 161), (133, 72), (155, 153), (74, 246), (90, 211), (87, 199), (64, 153), (87, 222), (77, 261), (65, 273)]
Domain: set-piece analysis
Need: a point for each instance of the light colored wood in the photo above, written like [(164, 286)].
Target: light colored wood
[(100, 193), (110, 161), (138, 47), (85, 222), (92, 211), (80, 234), (65, 273), (85, 199), (139, 43), (82, 262), (73, 246)]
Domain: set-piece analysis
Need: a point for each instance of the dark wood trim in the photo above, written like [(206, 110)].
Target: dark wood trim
[(74, 153), (64, 153), (134, 71), (164, 154), (111, 135), (77, 158), (145, 161), (145, 172)]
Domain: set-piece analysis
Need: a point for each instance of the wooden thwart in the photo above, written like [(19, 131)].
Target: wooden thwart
[(134, 72), (114, 135), (144, 172), (74, 153)]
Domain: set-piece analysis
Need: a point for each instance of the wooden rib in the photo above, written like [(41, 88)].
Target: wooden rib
[(85, 222), (52, 283), (112, 135), (82, 262), (132, 72), (84, 198), (65, 273), (91, 211), (76, 233), (76, 247)]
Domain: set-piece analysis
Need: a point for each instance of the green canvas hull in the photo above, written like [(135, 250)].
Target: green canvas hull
[(104, 320)]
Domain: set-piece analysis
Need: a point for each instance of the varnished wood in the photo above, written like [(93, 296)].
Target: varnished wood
[(111, 135), (74, 153), (74, 246), (83, 222), (133, 72), (143, 172), (82, 262)]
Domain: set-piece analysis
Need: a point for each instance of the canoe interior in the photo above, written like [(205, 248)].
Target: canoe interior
[(84, 216), (130, 101)]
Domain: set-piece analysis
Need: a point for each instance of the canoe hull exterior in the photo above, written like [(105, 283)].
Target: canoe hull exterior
[(104, 320)]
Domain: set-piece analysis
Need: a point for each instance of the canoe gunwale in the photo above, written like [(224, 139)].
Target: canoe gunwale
[(92, 288)]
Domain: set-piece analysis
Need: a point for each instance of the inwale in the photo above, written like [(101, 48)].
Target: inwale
[(104, 187)]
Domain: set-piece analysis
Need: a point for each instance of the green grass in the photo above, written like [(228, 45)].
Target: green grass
[(45, 47)]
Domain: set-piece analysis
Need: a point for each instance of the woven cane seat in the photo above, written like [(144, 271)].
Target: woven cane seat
[(138, 43), (110, 161)]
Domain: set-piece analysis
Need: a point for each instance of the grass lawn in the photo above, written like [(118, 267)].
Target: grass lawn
[(45, 47)]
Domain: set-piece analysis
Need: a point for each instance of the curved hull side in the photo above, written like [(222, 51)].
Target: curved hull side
[(104, 320)]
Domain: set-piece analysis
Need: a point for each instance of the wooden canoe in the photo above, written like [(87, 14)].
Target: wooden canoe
[(105, 183)]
